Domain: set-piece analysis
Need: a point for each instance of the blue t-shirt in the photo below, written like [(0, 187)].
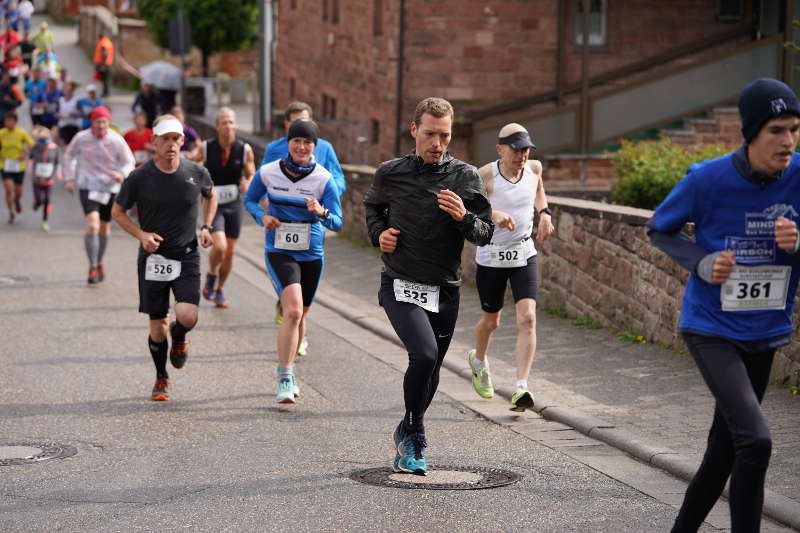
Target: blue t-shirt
[(287, 203), (732, 213), (323, 153)]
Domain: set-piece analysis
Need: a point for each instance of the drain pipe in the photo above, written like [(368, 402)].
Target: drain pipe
[(401, 34)]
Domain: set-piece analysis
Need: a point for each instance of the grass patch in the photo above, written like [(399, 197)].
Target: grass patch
[(628, 336), (584, 321), (555, 312)]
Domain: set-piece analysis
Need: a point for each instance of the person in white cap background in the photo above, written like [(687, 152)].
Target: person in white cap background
[(98, 160), (737, 307), (167, 192), (516, 192)]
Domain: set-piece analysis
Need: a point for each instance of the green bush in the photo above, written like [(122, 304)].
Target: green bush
[(647, 170)]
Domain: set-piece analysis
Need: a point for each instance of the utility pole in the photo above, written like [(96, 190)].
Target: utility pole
[(264, 115)]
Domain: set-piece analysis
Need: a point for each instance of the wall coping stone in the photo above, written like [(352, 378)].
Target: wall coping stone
[(615, 213)]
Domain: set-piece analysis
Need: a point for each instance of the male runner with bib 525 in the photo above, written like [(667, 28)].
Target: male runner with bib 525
[(419, 210), (166, 192), (231, 164), (515, 188)]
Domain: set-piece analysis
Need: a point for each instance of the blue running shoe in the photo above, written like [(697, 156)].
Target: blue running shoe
[(208, 291), (398, 439), (285, 390), (412, 455)]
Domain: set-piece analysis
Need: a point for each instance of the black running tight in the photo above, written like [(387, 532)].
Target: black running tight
[(739, 443), (426, 337)]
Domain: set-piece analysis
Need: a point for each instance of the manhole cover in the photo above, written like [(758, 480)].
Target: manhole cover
[(441, 478), (22, 453)]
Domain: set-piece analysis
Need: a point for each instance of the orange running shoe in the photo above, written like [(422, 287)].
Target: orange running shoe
[(101, 274), (93, 276), (161, 390), (179, 351)]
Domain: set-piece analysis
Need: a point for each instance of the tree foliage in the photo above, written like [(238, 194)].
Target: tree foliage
[(217, 25)]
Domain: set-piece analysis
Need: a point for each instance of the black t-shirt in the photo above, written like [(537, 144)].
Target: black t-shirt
[(168, 204)]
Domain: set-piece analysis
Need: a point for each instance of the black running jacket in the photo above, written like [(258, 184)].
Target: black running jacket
[(403, 196)]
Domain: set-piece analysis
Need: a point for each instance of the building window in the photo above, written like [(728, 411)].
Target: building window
[(730, 9), (328, 107), (377, 18), (598, 15), (374, 131), (335, 11), (292, 87)]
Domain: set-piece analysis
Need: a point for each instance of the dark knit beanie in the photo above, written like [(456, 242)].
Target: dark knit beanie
[(763, 100), (303, 128)]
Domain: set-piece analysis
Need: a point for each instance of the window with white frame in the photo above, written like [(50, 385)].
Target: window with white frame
[(598, 16)]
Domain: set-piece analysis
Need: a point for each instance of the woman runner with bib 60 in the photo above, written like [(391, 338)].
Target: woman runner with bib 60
[(303, 202)]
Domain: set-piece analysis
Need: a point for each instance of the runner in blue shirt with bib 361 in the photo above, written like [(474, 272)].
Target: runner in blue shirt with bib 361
[(737, 306), (303, 202)]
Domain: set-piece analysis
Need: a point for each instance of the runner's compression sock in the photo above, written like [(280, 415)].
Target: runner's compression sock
[(92, 243), (285, 371), (179, 332), (158, 350), (101, 250)]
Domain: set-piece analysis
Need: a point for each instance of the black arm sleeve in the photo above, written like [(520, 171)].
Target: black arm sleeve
[(678, 246), (376, 209)]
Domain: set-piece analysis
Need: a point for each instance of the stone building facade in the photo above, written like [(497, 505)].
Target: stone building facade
[(477, 54)]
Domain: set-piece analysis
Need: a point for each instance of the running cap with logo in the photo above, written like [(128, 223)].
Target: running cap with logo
[(171, 125), (100, 112), (303, 128), (515, 136), (763, 100)]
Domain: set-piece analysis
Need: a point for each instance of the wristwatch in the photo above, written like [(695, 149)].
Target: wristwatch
[(546, 210), (325, 214), (205, 226)]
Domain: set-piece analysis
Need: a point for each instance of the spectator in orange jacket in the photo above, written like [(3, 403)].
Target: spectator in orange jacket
[(103, 59)]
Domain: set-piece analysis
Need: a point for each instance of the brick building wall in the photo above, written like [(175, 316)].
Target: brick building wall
[(473, 52)]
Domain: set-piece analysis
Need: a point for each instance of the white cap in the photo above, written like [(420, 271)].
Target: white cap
[(91, 87), (170, 125)]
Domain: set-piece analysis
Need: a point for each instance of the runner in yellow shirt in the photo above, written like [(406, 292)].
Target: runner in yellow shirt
[(15, 144)]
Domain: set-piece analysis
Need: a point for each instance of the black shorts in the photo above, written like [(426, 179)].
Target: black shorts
[(228, 218), (154, 295), (91, 205), (492, 283), (284, 270), (17, 177)]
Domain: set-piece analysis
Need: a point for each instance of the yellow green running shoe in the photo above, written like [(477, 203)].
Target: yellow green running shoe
[(521, 399), (303, 348), (481, 379)]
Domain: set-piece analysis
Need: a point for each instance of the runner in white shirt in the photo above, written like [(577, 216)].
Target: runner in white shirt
[(515, 188)]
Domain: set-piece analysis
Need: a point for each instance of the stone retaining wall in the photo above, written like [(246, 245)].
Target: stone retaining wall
[(599, 263)]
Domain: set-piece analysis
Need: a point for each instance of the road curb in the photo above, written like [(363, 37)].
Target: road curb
[(776, 506)]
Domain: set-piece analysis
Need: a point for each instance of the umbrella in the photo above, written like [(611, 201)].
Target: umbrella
[(162, 75)]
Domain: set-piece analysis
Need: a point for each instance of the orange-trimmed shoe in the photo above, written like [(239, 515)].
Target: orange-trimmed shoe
[(220, 301), (101, 274), (161, 390), (179, 351), (93, 276)]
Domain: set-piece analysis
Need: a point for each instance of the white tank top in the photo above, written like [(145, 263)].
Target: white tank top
[(516, 199)]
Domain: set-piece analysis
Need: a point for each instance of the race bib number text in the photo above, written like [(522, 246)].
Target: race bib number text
[(293, 236), (227, 193), (509, 254), (44, 170), (159, 268), (425, 296), (100, 197), (756, 288), (11, 165)]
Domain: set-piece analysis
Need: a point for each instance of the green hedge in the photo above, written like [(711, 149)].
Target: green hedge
[(647, 170)]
